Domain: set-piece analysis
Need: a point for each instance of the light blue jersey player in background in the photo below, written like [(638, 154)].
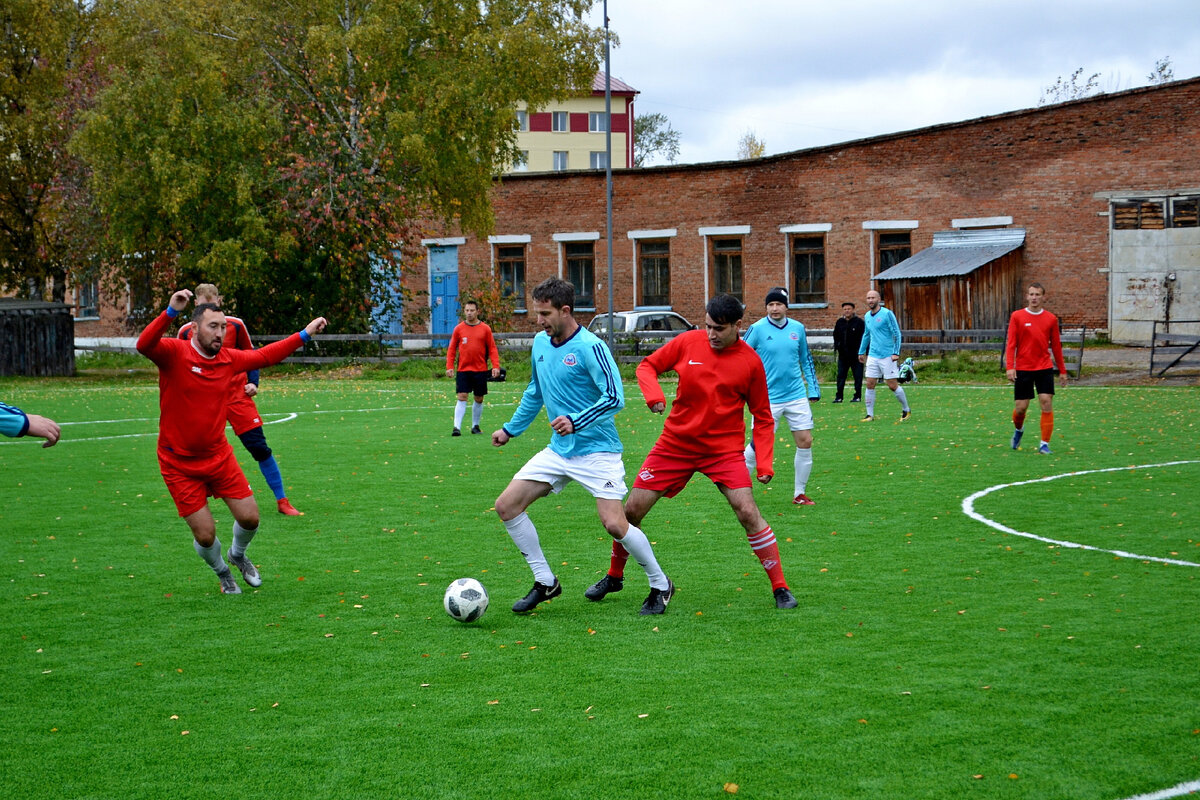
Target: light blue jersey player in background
[(782, 344), (576, 378), (880, 351)]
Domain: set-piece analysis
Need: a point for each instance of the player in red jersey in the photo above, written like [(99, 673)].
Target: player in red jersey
[(705, 432), (193, 453), (1032, 336), (473, 343), (243, 413)]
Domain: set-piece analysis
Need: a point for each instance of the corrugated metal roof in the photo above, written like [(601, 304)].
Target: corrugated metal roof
[(956, 253), (618, 86)]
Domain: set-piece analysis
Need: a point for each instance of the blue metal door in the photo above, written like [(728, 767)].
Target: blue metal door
[(443, 292)]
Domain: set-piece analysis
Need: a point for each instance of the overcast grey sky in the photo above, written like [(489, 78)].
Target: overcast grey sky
[(803, 73)]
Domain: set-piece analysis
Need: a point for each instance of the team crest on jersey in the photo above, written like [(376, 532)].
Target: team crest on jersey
[(569, 360), (646, 475), (794, 337), (197, 370), (464, 340)]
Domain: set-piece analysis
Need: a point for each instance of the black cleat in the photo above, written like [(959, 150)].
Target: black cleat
[(604, 587), (837, 399), (856, 399), (537, 594), (656, 603), (905, 415), (475, 429), (785, 599), (456, 432)]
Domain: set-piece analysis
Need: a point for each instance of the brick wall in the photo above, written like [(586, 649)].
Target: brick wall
[(1039, 166)]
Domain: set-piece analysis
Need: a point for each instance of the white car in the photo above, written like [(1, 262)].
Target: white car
[(640, 322)]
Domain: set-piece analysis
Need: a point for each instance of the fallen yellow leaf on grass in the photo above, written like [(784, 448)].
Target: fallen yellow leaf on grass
[(731, 788)]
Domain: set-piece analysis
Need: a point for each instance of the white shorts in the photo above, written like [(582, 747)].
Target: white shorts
[(884, 368), (798, 414), (602, 474)]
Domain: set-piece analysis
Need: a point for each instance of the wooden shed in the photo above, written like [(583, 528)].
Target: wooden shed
[(965, 280), (36, 338)]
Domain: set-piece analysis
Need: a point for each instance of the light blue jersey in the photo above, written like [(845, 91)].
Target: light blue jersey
[(881, 339), (13, 421), (578, 379), (783, 349)]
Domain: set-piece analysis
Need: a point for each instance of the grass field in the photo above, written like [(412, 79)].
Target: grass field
[(932, 655)]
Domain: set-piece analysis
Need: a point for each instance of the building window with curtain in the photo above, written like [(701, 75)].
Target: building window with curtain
[(727, 267), (581, 272), (808, 269), (654, 262), (510, 263)]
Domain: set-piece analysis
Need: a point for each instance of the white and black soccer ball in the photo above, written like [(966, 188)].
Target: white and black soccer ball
[(466, 600)]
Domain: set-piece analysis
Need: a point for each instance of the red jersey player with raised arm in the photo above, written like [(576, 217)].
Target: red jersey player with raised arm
[(719, 376), (1032, 337), (193, 453), (473, 344), (242, 412)]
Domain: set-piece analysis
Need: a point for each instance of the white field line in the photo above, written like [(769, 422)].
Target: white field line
[(968, 507), (1174, 791), (285, 416)]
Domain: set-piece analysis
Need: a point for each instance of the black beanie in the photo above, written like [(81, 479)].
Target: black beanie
[(777, 295)]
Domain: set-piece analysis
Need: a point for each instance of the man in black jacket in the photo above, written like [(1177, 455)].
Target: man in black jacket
[(847, 336)]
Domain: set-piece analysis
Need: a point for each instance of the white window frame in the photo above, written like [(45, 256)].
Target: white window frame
[(556, 117), (597, 122), (873, 225), (802, 228), (598, 159), (522, 120), (561, 155)]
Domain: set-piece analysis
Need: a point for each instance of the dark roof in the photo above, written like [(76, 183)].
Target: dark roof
[(618, 86), (956, 253)]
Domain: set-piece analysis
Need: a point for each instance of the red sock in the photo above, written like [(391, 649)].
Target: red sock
[(616, 564), (767, 549), (1047, 425), (1019, 420)]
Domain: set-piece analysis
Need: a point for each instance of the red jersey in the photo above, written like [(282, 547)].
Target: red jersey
[(1031, 338), (474, 345), (194, 389), (714, 385), (237, 337)]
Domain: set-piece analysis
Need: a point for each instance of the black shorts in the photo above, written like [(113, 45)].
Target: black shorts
[(473, 382), (1029, 382)]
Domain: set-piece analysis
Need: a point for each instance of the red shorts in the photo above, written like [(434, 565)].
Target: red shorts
[(242, 413), (192, 480), (669, 472)]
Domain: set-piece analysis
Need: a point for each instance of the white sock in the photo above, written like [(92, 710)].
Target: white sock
[(638, 545), (869, 400), (902, 398), (476, 414), (212, 555), (241, 539), (803, 464), (525, 537), (460, 410)]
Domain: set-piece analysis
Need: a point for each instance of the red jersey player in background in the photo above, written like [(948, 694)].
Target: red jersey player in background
[(705, 432), (243, 413), (474, 344), (1032, 336), (193, 454)]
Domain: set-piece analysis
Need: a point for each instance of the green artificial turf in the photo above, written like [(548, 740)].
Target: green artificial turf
[(932, 656)]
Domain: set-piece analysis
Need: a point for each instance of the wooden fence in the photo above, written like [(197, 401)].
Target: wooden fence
[(36, 338)]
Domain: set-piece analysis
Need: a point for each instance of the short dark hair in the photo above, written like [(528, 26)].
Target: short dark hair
[(847, 303), (556, 292), (1035, 285), (471, 303), (198, 312), (725, 309)]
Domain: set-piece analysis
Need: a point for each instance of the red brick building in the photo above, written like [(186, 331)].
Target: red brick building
[(824, 221)]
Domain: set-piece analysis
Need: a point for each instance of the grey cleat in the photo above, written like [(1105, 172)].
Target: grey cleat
[(228, 584), (246, 567)]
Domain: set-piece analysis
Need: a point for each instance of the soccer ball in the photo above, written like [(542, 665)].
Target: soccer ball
[(466, 600)]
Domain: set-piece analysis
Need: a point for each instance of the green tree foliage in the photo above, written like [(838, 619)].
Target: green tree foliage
[(288, 151), (47, 76), (653, 136)]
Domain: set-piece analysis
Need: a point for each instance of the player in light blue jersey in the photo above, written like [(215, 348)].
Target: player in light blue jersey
[(782, 344), (14, 422), (880, 351), (576, 379)]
